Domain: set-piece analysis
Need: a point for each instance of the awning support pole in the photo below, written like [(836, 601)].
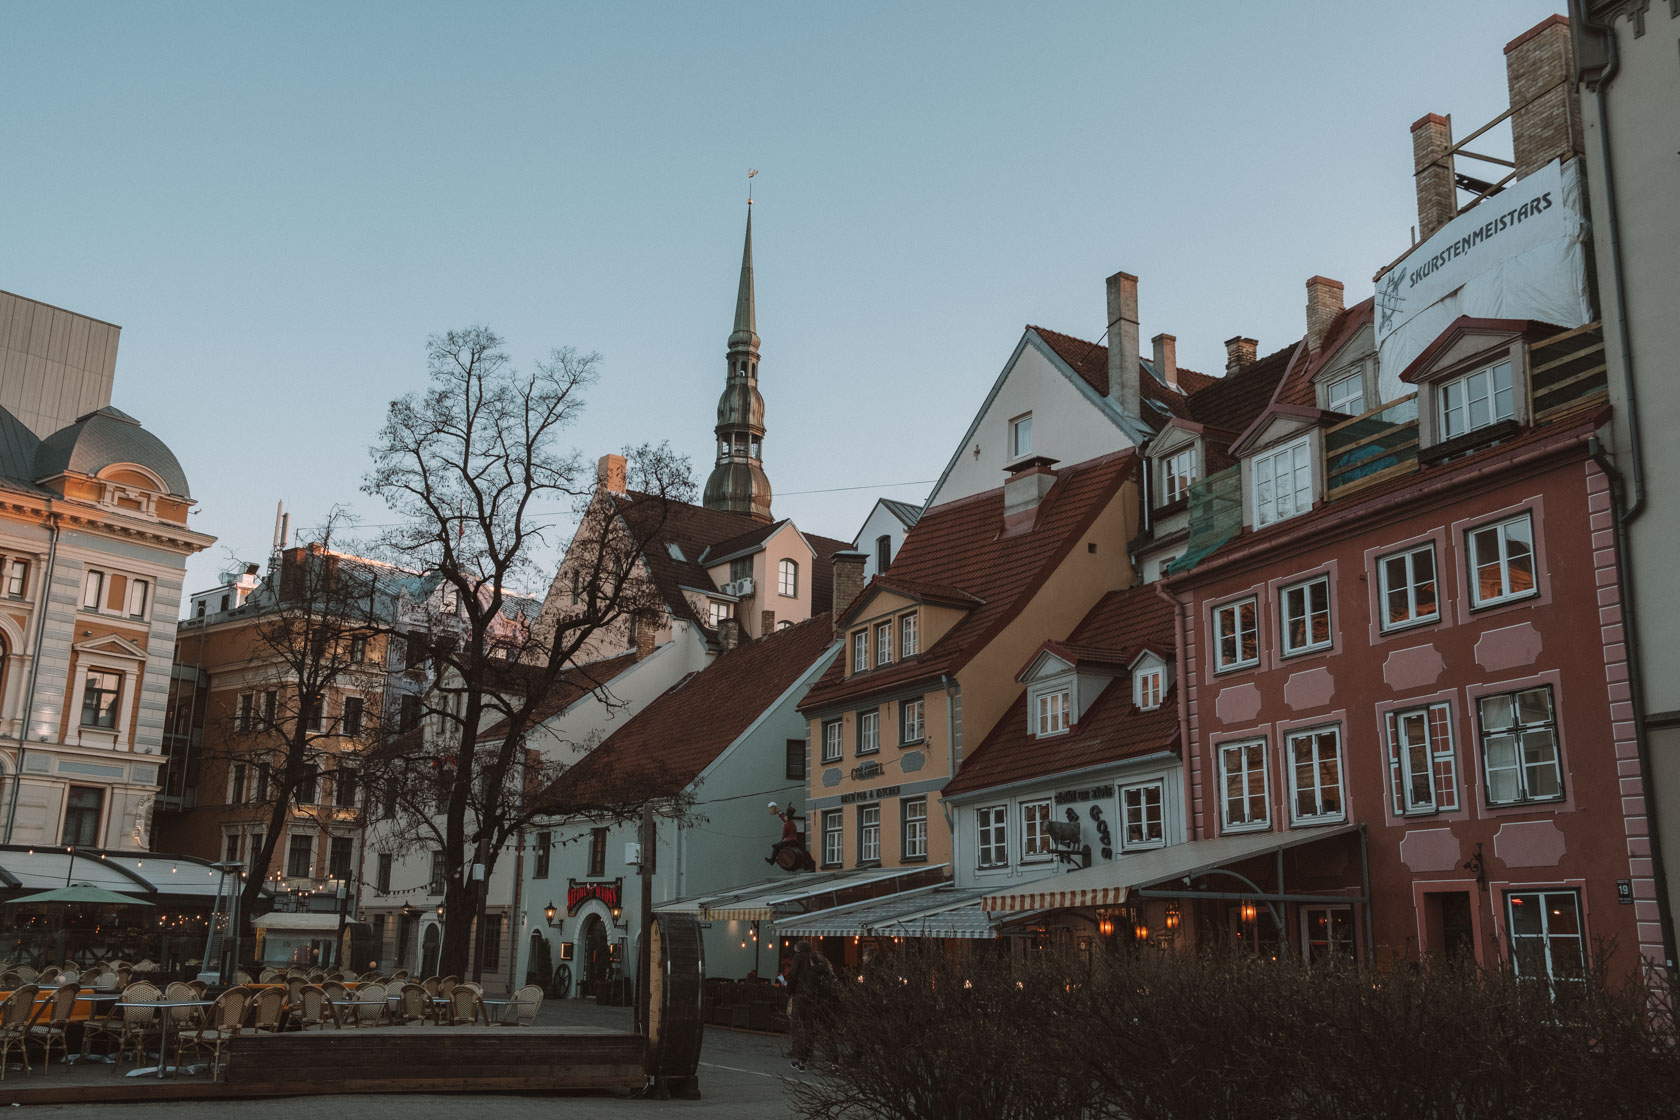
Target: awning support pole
[(1365, 876)]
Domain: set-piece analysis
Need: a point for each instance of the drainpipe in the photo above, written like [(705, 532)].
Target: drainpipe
[(34, 667), (948, 684), (1183, 694), (1636, 698)]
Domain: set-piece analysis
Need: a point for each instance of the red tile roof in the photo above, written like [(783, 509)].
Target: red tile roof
[(666, 745), (960, 546), (1298, 388), (572, 685), (1090, 361), (1111, 729)]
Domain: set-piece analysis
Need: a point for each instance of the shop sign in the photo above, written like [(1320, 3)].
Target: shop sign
[(1095, 793), (610, 892), (868, 794)]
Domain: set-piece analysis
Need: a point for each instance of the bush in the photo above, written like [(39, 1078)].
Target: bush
[(1173, 1037)]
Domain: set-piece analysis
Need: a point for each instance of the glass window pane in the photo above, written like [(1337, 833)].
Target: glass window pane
[(1496, 713)]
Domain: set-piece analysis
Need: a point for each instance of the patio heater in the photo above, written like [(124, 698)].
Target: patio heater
[(221, 940)]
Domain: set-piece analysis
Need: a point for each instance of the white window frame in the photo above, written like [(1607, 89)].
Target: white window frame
[(1222, 629), (139, 596), (1520, 734), (911, 726), (787, 577), (1143, 804), (869, 833), (1020, 436), (1296, 604), (860, 650), (869, 731), (1053, 712), (1501, 540), (913, 828), (907, 646), (1148, 686), (1544, 902), (719, 612), (1247, 751), (1178, 473), (1290, 462), (834, 837), (1336, 396), (991, 836), (1333, 947), (1404, 564), (116, 709), (883, 643), (1309, 753), (1420, 749), (17, 578), (1035, 831), (1461, 396), (93, 588), (833, 740)]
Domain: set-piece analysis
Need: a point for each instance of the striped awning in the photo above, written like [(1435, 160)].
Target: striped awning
[(762, 901), (1110, 883)]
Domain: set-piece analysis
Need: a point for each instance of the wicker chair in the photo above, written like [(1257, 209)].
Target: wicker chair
[(48, 975), (311, 1008), (26, 974), (522, 1012), (103, 1031), (268, 1010), (414, 1005), (140, 1025), (366, 994), (52, 1023), (222, 1023), (16, 1011), (181, 1018), (464, 1006), (106, 980), (268, 976)]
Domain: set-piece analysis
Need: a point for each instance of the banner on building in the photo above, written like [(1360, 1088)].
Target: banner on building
[(1519, 254)]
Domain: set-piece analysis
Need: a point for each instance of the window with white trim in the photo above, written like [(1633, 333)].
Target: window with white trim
[(1035, 831), (834, 838), (913, 811), (992, 836), (138, 590), (1054, 715), (1409, 594), (1178, 473), (1282, 479), (1520, 747), (719, 612), (1327, 933), (907, 636), (787, 578), (1020, 436), (350, 719), (1476, 400), (230, 847), (860, 651), (883, 643), (869, 731), (1547, 940), (83, 807), (1147, 686), (236, 784), (910, 721), (93, 589), (833, 740), (1315, 776), (869, 833), (1423, 767), (17, 578), (1345, 394), (1236, 634), (1306, 616), (1243, 786), (1142, 820), (1502, 562), (101, 696), (242, 713)]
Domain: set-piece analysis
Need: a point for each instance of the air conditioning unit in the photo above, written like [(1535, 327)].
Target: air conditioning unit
[(740, 588), (632, 854)]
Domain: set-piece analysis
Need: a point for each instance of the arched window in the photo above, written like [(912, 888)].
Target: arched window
[(883, 553), (788, 574)]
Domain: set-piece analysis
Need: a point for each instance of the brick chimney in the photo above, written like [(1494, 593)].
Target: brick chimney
[(848, 579), (766, 623), (1546, 114), (1023, 492), (1166, 358), (729, 633), (1437, 196), (1324, 303), (610, 474), (1123, 387), (642, 633), (1240, 352)]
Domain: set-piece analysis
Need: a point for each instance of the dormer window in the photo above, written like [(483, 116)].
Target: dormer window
[(1147, 686), (1345, 394), (1282, 482), (883, 643), (1054, 712), (720, 611), (1020, 436), (1178, 472), (1476, 400), (860, 651)]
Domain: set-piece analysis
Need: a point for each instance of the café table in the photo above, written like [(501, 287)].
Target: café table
[(92, 999), (487, 1004), (380, 1003), (168, 1020)]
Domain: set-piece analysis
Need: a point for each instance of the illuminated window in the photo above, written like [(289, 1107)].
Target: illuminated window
[(1236, 635), (1546, 936), (1306, 616), (1502, 562)]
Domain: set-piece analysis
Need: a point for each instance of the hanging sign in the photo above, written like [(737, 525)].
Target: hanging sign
[(610, 892)]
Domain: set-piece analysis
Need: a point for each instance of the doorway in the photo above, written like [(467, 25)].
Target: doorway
[(429, 951), (597, 954)]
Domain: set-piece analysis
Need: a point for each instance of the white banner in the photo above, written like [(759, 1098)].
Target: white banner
[(1518, 255)]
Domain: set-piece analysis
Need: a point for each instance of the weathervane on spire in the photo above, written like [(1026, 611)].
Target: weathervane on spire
[(751, 171)]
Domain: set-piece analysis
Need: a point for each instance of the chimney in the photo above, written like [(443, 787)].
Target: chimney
[(642, 633), (1166, 358), (1023, 491), (848, 579), (1437, 196), (1240, 352), (1324, 303), (729, 633), (766, 623), (610, 474), (1545, 112), (1123, 387)]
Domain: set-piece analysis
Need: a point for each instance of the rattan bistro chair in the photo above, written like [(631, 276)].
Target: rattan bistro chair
[(464, 1006), (311, 1008), (414, 1005), (221, 1024), (370, 1004), (522, 1012), (268, 1011), (52, 1024), (140, 1025), (16, 1011)]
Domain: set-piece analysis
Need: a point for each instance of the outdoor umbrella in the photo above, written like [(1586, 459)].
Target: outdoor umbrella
[(83, 893)]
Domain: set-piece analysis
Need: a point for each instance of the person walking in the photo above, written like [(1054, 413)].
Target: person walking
[(803, 985)]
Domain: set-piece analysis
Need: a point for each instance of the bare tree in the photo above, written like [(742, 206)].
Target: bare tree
[(472, 470)]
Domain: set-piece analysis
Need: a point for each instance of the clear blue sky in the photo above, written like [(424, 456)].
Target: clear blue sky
[(278, 203)]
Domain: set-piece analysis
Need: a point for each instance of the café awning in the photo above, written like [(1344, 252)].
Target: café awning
[(940, 911), (784, 897), (1109, 884), (80, 894)]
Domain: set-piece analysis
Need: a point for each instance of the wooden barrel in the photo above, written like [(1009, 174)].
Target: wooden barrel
[(676, 976)]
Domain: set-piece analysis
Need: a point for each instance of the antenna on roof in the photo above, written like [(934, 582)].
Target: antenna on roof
[(751, 171), (279, 530)]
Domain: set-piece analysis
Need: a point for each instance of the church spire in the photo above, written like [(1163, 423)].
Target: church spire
[(737, 483)]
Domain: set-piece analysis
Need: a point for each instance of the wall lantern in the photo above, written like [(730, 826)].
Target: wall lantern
[(1141, 931), (1173, 917), (549, 911), (1249, 911), (440, 909)]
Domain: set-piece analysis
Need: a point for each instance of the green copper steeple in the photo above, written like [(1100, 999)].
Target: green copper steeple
[(737, 483)]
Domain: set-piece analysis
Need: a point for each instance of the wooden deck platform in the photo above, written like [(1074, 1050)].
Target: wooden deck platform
[(378, 1060)]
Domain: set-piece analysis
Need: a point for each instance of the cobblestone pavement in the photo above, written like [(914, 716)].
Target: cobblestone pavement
[(741, 1075)]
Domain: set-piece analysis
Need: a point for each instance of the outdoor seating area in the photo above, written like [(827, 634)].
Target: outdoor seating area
[(754, 1005)]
